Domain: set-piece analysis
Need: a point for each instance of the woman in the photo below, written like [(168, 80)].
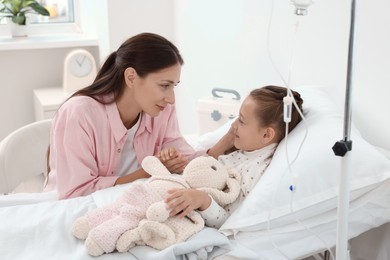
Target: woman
[(102, 132)]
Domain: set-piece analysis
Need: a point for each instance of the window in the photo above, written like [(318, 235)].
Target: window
[(61, 11), (62, 19)]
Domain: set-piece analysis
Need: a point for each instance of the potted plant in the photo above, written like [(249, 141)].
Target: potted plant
[(16, 10)]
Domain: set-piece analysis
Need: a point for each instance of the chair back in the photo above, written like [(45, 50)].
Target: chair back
[(23, 154)]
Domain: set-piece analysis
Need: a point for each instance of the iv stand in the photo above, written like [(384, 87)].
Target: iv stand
[(341, 148)]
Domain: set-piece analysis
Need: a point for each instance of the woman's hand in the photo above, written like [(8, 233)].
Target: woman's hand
[(172, 160), (182, 201)]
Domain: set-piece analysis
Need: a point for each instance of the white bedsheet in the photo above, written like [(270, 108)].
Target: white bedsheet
[(294, 241), (27, 198), (42, 231)]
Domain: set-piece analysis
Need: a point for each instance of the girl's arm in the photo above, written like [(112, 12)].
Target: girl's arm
[(214, 216), (226, 143), (173, 137), (183, 201), (138, 174)]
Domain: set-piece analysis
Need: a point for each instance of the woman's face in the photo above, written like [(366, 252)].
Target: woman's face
[(249, 134), (156, 90)]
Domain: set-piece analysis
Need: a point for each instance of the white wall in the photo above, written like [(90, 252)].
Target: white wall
[(224, 44), (112, 22), (229, 48), (372, 77), (94, 21), (21, 71)]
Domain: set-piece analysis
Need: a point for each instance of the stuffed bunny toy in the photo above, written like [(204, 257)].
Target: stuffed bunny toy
[(160, 231), (139, 216)]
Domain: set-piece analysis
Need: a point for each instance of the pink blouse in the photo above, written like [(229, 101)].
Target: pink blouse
[(87, 138)]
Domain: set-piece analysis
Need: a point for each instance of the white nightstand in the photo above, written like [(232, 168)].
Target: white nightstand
[(47, 101)]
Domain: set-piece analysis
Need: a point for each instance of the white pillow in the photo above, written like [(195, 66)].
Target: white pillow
[(317, 170), (207, 140)]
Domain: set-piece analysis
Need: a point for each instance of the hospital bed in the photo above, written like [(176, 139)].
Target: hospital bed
[(273, 222)]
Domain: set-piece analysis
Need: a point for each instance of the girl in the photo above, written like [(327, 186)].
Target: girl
[(100, 135), (255, 135)]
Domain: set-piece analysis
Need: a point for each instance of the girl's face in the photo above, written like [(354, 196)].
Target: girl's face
[(249, 134), (153, 92)]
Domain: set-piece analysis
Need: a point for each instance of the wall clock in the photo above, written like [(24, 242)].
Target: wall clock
[(79, 70)]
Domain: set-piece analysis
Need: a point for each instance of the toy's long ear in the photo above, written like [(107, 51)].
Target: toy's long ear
[(153, 166), (230, 193), (234, 174)]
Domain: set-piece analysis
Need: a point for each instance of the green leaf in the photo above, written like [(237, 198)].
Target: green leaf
[(39, 9), (20, 7), (21, 19)]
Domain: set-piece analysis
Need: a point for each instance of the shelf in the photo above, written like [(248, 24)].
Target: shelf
[(46, 41), (47, 101)]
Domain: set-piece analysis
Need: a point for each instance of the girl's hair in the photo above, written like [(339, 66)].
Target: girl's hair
[(269, 110), (145, 52)]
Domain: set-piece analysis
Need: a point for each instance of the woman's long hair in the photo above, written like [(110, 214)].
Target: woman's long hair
[(145, 52)]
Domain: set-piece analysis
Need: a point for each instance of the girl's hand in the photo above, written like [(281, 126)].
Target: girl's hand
[(225, 144), (172, 160), (183, 201)]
